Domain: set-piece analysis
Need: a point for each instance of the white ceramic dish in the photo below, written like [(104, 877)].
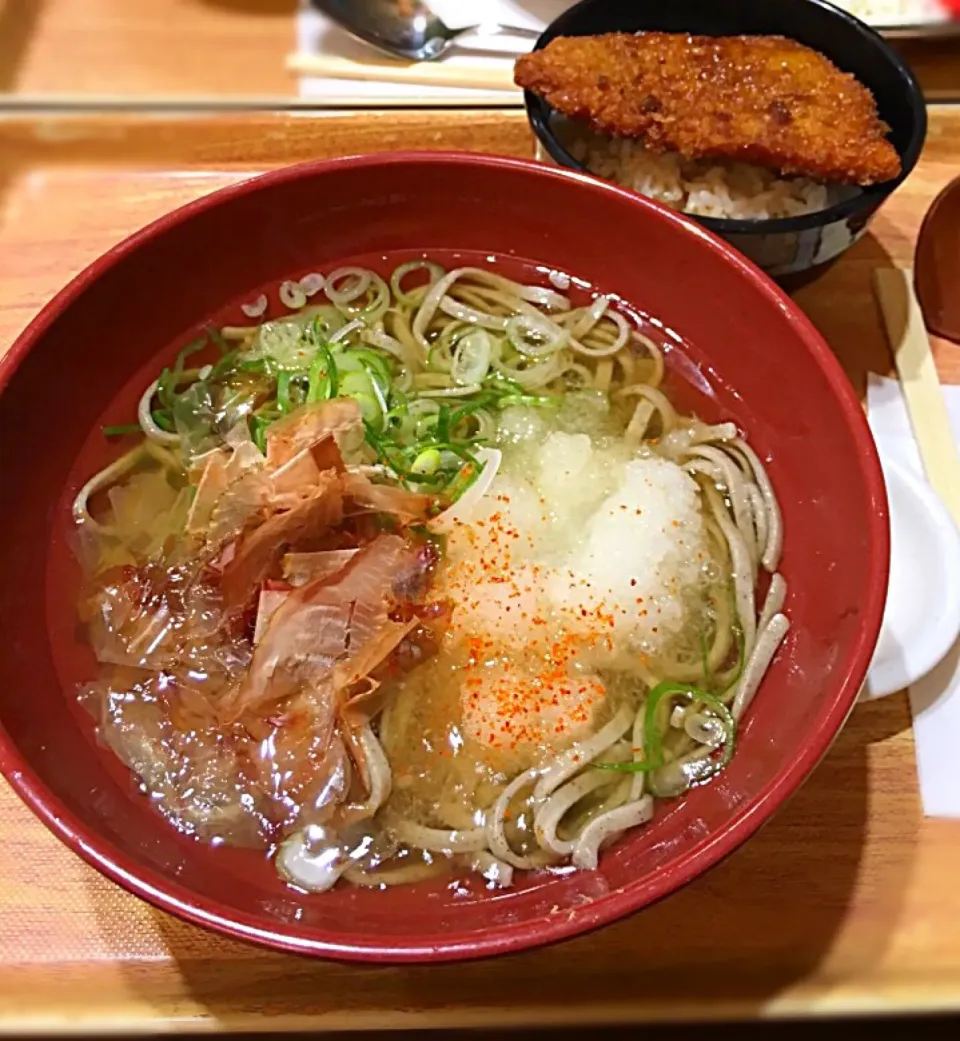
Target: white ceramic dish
[(922, 617)]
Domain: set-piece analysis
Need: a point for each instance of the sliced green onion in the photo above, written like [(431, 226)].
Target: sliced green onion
[(376, 364), (464, 478), (291, 295), (529, 377), (191, 348), (471, 357), (166, 388), (347, 287), (353, 382), (534, 400), (164, 419), (284, 402), (506, 391), (458, 415), (460, 450), (354, 283), (434, 271), (360, 387), (443, 423), (401, 423), (218, 339), (376, 442), (122, 429), (323, 378), (426, 463), (286, 343), (381, 393), (345, 359), (438, 357), (258, 431), (653, 737), (535, 336), (369, 408), (170, 377), (227, 364)]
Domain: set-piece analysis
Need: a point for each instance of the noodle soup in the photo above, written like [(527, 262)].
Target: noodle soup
[(427, 572)]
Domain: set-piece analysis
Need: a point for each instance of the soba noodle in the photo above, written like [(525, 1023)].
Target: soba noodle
[(459, 375)]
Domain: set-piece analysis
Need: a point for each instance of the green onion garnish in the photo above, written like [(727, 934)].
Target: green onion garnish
[(218, 339), (443, 423), (164, 419), (284, 404), (653, 738), (121, 430), (426, 463), (227, 364), (323, 381), (323, 378)]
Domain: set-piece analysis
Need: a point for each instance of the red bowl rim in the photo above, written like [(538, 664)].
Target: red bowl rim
[(177, 900)]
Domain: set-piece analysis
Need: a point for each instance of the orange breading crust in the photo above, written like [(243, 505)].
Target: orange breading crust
[(759, 99)]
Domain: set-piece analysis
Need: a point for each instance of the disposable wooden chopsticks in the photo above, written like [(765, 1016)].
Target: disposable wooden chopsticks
[(920, 383), (419, 74)]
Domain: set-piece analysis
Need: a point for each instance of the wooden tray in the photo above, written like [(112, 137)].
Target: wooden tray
[(846, 902)]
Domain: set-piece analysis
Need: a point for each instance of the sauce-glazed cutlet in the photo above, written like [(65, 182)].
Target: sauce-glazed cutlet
[(757, 99)]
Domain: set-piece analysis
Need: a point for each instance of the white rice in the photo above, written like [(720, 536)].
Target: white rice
[(702, 187)]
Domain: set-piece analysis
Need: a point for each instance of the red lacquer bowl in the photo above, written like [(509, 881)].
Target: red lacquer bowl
[(755, 358)]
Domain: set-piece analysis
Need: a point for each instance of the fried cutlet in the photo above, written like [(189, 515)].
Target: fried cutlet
[(758, 99)]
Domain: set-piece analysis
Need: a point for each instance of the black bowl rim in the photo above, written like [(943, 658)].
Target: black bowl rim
[(869, 198)]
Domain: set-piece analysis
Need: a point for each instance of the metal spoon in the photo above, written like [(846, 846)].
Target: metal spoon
[(937, 267), (406, 28)]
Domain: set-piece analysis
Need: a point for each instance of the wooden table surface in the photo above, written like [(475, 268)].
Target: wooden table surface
[(150, 50), (846, 902)]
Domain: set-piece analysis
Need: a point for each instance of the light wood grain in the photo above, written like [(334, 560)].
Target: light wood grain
[(137, 50), (140, 48), (846, 901)]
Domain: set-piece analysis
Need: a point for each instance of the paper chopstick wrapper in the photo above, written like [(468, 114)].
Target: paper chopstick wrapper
[(935, 699)]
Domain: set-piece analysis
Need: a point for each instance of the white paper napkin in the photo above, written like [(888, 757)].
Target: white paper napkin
[(317, 35), (934, 700)]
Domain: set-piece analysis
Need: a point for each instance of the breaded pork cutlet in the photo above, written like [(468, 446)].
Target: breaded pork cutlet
[(758, 99)]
